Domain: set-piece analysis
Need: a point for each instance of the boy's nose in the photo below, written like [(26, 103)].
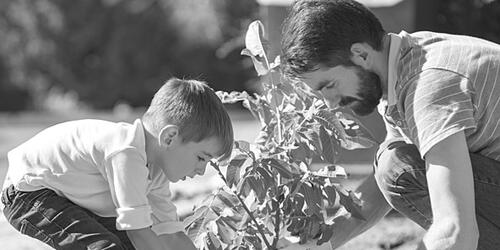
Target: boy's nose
[(201, 170)]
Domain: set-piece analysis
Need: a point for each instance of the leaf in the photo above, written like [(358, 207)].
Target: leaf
[(331, 194), (232, 97), (255, 40), (276, 63), (313, 139), (257, 185), (211, 242), (265, 113), (314, 229), (313, 198), (253, 241), (225, 232), (233, 171), (252, 106), (244, 187), (351, 204), (330, 121), (257, 47), (327, 233), (229, 200), (194, 223), (268, 180), (300, 153), (356, 135), (276, 98), (262, 137), (328, 148), (259, 63), (286, 87), (282, 167)]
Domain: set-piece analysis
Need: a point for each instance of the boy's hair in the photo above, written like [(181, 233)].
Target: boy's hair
[(194, 107), (321, 32)]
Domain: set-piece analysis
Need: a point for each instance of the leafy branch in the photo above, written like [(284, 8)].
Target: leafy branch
[(244, 206), (271, 188)]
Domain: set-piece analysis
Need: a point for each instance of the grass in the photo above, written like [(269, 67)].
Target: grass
[(393, 232)]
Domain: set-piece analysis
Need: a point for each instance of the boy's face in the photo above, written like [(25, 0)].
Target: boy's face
[(187, 159)]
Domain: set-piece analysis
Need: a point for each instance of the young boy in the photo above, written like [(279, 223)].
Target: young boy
[(93, 184)]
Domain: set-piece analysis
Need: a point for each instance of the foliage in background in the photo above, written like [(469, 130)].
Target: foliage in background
[(110, 51), (479, 18), (272, 188)]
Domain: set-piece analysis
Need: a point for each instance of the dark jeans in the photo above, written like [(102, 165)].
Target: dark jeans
[(60, 223), (400, 175)]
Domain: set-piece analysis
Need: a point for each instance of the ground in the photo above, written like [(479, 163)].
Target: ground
[(393, 232)]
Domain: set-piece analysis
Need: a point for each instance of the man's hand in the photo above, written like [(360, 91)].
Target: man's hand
[(451, 191), (374, 208)]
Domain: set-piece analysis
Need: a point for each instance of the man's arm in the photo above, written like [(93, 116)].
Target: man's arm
[(451, 191), (146, 239), (374, 208)]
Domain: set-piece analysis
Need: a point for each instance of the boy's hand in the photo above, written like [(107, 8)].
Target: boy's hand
[(146, 239), (176, 241)]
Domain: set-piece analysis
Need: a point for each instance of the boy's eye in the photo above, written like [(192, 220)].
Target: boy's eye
[(201, 158)]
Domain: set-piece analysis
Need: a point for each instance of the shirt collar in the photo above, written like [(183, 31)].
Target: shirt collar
[(392, 74)]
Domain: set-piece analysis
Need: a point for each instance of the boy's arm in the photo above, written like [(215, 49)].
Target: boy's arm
[(177, 240), (146, 239), (374, 208), (166, 224)]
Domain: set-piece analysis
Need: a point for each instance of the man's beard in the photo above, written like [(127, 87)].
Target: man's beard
[(370, 92)]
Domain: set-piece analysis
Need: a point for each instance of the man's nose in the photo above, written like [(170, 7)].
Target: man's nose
[(332, 103), (332, 98)]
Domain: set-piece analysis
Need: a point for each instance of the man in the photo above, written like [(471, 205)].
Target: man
[(440, 93)]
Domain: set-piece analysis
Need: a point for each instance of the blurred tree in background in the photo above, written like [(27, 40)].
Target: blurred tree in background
[(111, 51), (480, 18)]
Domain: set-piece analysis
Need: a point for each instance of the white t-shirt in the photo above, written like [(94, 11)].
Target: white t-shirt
[(100, 166)]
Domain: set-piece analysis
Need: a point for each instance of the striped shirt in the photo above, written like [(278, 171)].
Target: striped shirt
[(446, 84)]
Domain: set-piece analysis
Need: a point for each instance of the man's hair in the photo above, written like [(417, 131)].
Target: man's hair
[(194, 107), (321, 32)]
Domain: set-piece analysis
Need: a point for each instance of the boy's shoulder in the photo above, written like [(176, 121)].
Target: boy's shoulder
[(107, 132), (88, 135)]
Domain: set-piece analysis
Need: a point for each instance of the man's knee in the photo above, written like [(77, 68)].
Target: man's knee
[(396, 160)]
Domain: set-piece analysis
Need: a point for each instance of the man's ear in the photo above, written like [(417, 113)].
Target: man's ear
[(360, 54), (168, 135)]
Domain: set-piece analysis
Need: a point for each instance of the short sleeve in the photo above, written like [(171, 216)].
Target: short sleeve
[(127, 176), (437, 104), (165, 219)]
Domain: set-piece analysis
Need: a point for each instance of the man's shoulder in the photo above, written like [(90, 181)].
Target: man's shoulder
[(425, 50)]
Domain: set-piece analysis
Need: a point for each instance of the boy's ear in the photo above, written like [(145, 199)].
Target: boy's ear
[(360, 54), (168, 135)]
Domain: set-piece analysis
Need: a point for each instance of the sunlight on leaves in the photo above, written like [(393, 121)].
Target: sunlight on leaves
[(271, 187)]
